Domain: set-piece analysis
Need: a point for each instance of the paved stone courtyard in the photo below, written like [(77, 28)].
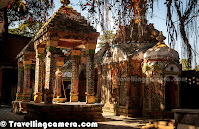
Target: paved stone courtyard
[(111, 122)]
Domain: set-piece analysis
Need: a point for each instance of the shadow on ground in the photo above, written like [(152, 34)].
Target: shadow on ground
[(111, 122)]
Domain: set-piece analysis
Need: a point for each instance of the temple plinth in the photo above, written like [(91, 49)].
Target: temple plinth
[(75, 75), (19, 94)]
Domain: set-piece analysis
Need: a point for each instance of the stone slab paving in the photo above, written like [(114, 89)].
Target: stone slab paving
[(6, 114), (111, 122)]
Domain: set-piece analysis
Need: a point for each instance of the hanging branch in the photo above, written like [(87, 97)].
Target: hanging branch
[(182, 28), (123, 11), (184, 18)]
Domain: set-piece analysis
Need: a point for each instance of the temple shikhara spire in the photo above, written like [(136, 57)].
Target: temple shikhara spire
[(65, 2), (160, 37)]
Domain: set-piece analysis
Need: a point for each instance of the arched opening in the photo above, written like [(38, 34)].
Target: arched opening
[(170, 93)]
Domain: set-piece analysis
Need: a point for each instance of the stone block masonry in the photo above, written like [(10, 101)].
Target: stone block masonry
[(78, 112)]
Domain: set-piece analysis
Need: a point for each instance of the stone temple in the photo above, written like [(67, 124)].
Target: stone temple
[(132, 77), (138, 77), (66, 29)]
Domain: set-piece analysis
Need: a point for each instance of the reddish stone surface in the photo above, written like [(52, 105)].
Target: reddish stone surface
[(8, 53), (14, 45), (70, 44)]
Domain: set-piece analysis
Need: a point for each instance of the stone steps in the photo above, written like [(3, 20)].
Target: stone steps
[(108, 108), (160, 124)]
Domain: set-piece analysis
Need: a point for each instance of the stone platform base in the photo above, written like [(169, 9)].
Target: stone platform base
[(113, 109), (109, 109), (59, 100), (134, 112), (186, 118), (19, 107), (70, 111), (160, 124), (157, 115)]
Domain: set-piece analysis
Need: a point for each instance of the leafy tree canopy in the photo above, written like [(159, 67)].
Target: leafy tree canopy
[(123, 11), (106, 38), (185, 65), (31, 14), (27, 29), (196, 68)]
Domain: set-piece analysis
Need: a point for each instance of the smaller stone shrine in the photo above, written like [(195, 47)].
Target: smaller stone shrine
[(139, 76)]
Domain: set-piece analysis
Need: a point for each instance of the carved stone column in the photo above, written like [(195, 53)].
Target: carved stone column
[(19, 94), (90, 73), (50, 75), (39, 78), (26, 86), (99, 83), (75, 75)]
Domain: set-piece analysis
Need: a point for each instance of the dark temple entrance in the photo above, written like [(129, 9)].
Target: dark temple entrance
[(190, 89), (170, 93)]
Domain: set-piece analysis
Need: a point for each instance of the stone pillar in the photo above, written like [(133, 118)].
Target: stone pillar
[(75, 75), (50, 75), (90, 73), (26, 86), (19, 94), (99, 83), (39, 78)]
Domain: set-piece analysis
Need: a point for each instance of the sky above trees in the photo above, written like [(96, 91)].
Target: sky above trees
[(158, 19)]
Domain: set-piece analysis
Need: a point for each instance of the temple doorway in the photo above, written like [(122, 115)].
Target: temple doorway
[(170, 93), (66, 87)]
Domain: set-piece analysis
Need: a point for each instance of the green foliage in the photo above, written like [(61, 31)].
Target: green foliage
[(28, 29), (24, 10), (145, 67), (106, 38), (185, 64), (196, 68), (154, 68), (29, 14)]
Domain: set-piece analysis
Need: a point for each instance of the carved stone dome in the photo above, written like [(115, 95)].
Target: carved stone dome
[(161, 51)]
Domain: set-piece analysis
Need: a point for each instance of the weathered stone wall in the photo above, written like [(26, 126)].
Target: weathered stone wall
[(158, 85), (8, 53), (120, 93), (135, 87)]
